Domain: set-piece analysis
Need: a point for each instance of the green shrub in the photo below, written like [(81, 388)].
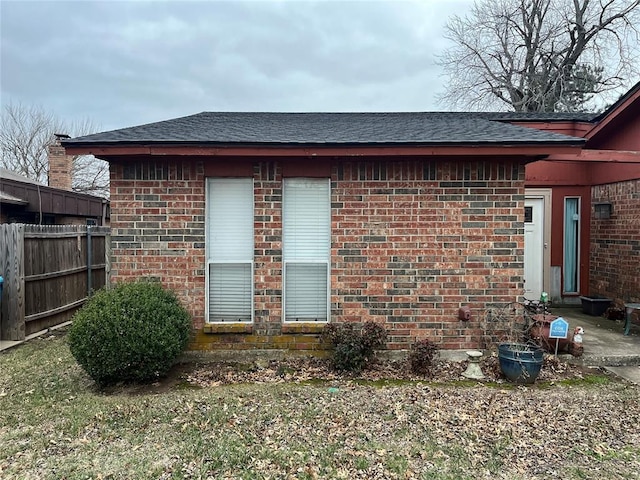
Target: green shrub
[(421, 356), (131, 332), (353, 348)]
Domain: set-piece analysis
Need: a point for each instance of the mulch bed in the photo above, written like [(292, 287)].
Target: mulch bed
[(314, 369)]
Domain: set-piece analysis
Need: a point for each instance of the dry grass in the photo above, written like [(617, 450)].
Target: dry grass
[(55, 424)]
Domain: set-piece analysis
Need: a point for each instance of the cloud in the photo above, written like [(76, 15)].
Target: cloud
[(126, 63)]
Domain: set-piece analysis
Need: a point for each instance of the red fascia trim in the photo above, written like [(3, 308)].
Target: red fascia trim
[(312, 152), (613, 115), (569, 127), (604, 156)]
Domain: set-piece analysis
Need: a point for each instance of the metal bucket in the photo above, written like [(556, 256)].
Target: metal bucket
[(520, 362)]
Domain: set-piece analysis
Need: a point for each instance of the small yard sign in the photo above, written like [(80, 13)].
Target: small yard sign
[(559, 328)]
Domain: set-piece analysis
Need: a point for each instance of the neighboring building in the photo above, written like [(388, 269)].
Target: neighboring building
[(269, 225), (23, 200), (582, 222)]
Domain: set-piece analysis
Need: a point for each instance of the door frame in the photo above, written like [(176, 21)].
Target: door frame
[(545, 195)]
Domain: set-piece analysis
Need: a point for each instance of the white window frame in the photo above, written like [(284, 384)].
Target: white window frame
[(564, 245), (304, 260), (222, 261)]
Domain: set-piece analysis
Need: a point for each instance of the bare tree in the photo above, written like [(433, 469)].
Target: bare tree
[(25, 135), (541, 55), (89, 174)]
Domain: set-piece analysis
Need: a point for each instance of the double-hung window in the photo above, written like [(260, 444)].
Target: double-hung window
[(306, 239), (229, 246)]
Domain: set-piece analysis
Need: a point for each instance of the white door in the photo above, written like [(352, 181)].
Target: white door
[(533, 247)]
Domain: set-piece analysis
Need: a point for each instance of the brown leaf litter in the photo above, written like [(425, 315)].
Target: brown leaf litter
[(309, 369)]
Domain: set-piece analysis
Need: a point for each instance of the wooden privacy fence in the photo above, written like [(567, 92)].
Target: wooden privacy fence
[(49, 271)]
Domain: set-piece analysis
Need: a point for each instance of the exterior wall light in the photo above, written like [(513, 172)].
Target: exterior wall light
[(603, 210)]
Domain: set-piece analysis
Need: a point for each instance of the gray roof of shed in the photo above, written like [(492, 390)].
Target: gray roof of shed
[(11, 175), (411, 128)]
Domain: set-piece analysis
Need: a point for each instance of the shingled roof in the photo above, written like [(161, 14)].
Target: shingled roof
[(245, 128), (540, 116)]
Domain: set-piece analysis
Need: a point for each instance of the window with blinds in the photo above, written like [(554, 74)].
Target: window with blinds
[(229, 237), (306, 241)]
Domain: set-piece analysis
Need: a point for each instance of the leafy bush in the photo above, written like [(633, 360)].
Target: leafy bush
[(354, 347), (131, 332), (421, 356)]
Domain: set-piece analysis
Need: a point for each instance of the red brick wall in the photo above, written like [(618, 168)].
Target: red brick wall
[(615, 242), (60, 165), (268, 248), (412, 241), (157, 227)]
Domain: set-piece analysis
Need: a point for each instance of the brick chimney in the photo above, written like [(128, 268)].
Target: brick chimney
[(60, 164)]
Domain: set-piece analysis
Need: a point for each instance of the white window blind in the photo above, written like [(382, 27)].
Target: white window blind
[(306, 240), (230, 249), (230, 292)]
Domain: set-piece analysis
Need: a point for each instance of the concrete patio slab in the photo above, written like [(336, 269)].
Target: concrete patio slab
[(605, 344)]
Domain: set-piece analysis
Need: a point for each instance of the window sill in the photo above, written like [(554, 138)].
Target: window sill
[(228, 328), (314, 327)]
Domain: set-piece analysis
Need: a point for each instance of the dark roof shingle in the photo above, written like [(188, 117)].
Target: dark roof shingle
[(423, 128)]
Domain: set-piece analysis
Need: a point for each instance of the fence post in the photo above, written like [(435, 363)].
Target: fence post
[(107, 259), (89, 264), (12, 269)]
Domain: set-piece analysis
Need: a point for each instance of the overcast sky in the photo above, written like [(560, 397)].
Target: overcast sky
[(124, 63)]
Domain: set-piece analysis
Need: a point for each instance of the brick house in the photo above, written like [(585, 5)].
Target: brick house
[(269, 225)]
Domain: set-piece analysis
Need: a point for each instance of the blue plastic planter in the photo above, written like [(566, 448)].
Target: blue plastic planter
[(519, 362)]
